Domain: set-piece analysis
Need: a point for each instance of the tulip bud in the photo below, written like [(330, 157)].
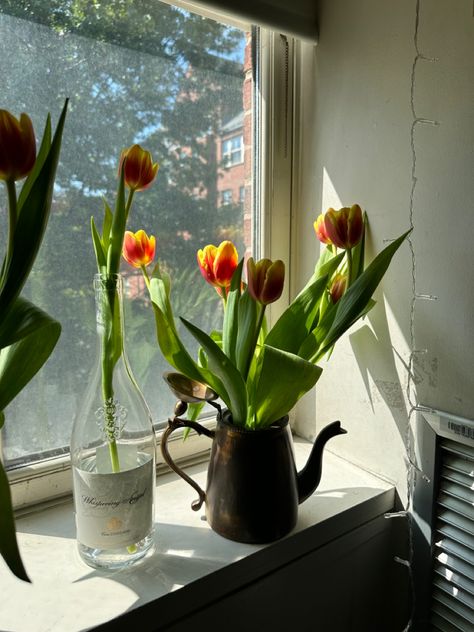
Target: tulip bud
[(338, 287), (17, 146), (139, 169), (138, 249), (218, 264), (344, 227), (265, 279), (320, 230)]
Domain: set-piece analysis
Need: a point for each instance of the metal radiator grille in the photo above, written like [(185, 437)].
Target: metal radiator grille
[(452, 607)]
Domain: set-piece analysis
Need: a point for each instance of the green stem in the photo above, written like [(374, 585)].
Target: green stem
[(145, 276), (107, 398), (129, 203), (12, 216), (261, 313), (349, 268), (108, 354)]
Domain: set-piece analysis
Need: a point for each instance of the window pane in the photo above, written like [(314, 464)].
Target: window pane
[(135, 72)]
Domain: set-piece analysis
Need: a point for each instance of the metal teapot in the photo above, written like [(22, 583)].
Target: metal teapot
[(253, 489)]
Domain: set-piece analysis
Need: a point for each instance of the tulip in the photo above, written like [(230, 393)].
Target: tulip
[(344, 227), (320, 229), (265, 279), (218, 264), (139, 169), (338, 287), (138, 249), (17, 146)]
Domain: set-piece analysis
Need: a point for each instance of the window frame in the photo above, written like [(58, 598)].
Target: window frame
[(228, 155), (49, 481)]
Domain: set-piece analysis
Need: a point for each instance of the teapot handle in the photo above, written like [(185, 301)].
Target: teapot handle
[(174, 424)]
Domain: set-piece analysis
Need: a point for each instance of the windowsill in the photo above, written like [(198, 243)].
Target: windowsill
[(190, 563)]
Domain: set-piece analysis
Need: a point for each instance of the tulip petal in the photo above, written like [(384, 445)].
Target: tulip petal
[(139, 169), (17, 146), (138, 249)]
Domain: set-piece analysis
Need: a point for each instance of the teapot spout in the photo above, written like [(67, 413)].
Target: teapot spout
[(310, 475)]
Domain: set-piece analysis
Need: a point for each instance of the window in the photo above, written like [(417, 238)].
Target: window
[(129, 79), (241, 195), (233, 150), (227, 196)]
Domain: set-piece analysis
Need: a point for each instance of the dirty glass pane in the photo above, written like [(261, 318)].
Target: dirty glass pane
[(145, 72)]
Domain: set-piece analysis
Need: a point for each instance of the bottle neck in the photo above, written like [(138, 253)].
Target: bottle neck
[(109, 312)]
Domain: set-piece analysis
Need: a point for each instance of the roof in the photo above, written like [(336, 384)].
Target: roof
[(233, 124)]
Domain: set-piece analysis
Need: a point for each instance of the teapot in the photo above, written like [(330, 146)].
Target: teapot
[(253, 488)]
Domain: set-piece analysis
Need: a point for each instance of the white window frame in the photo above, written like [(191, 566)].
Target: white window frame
[(229, 154), (36, 485), (224, 197)]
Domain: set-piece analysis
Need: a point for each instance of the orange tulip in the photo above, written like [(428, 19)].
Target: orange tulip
[(218, 264), (138, 249), (265, 279), (338, 287), (320, 229), (17, 146), (344, 227), (139, 169)]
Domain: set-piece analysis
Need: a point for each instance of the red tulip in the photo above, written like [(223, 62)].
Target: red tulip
[(265, 279), (17, 146), (344, 227), (138, 249), (218, 264), (338, 287), (139, 169), (320, 229)]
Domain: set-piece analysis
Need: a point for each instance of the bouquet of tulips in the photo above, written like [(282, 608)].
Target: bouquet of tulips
[(260, 374), (27, 334)]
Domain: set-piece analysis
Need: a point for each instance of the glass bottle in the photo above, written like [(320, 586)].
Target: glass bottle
[(113, 448)]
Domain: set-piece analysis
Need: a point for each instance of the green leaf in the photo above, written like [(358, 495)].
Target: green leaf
[(295, 323), (325, 257), (8, 544), (311, 344), (358, 254), (107, 225), (169, 342), (32, 223), (247, 323), (118, 229), (353, 303), (98, 248), (223, 368), (330, 266), (28, 336), (283, 379), (40, 158), (230, 326)]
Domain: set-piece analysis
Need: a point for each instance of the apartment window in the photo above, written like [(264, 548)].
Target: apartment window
[(241, 195), (227, 196), (233, 150), (131, 78)]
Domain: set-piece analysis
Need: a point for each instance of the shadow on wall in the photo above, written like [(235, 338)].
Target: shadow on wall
[(370, 346)]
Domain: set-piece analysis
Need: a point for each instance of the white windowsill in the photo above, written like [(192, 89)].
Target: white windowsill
[(67, 595)]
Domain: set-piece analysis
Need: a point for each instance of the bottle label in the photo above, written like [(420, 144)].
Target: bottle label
[(114, 510)]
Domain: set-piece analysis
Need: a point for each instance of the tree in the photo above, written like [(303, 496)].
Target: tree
[(135, 72)]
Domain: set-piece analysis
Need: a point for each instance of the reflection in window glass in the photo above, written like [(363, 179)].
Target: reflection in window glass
[(134, 72)]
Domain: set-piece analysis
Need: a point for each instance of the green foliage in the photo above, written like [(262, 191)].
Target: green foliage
[(27, 334), (262, 376)]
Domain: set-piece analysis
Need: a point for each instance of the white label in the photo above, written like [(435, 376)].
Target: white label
[(113, 510), (460, 429)]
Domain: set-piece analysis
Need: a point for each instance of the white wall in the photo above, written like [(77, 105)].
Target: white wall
[(356, 148)]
